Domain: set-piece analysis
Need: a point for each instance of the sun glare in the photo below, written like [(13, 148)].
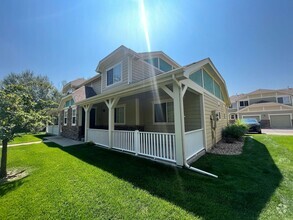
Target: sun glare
[(144, 22)]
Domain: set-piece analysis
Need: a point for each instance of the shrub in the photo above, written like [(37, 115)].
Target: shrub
[(234, 132)]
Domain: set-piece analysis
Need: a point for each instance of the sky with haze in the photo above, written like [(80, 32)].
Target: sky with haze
[(249, 41)]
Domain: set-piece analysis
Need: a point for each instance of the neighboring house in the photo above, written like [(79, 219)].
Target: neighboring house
[(148, 105), (273, 108)]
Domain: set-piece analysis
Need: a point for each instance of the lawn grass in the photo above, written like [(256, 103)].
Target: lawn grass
[(87, 182), (26, 138)]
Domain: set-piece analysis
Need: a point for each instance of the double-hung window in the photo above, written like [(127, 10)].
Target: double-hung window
[(114, 75), (73, 120), (119, 116), (65, 116), (164, 112)]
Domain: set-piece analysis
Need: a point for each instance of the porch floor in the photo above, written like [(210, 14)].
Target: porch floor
[(62, 141)]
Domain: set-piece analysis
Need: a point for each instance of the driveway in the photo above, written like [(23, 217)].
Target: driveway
[(278, 131)]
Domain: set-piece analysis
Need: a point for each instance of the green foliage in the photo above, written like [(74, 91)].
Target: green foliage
[(18, 112), (234, 132), (42, 91)]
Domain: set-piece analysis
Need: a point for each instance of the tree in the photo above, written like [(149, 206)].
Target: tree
[(25, 102), (39, 87)]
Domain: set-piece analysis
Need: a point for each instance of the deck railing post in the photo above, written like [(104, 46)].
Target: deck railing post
[(136, 142)]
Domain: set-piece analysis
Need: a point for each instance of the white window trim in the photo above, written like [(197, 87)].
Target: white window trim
[(73, 108), (65, 111), (161, 102), (112, 67), (121, 106)]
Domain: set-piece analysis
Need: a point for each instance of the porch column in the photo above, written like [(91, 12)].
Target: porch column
[(87, 109), (178, 122), (111, 104)]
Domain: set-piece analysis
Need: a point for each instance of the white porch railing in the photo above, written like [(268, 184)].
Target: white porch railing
[(149, 144), (193, 143), (53, 129), (124, 140), (99, 136), (157, 145)]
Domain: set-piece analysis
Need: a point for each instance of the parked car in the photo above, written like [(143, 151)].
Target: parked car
[(253, 125)]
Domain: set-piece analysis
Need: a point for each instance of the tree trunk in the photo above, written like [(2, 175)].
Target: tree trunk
[(3, 170)]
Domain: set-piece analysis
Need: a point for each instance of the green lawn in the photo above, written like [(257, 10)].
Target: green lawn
[(25, 138), (87, 182)]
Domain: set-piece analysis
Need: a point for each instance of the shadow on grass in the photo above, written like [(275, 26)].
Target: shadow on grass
[(6, 187), (245, 184)]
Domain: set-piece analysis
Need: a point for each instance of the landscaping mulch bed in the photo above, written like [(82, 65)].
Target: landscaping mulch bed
[(224, 148)]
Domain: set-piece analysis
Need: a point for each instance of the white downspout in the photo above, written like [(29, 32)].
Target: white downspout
[(183, 145)]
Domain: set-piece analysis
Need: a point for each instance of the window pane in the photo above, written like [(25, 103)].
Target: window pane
[(153, 61), (117, 73), (164, 66), (160, 112), (196, 77), (208, 82), (119, 115), (170, 112), (217, 90), (110, 77)]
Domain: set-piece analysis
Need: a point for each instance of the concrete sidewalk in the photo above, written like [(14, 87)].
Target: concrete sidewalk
[(278, 131), (62, 141)]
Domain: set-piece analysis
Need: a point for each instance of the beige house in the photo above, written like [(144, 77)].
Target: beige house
[(273, 108), (148, 105)]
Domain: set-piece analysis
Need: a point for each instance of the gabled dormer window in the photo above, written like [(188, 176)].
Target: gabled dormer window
[(114, 74)]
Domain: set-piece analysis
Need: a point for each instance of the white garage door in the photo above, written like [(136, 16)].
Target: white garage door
[(252, 116), (280, 121)]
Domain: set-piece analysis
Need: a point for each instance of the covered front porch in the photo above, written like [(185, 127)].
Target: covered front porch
[(164, 123)]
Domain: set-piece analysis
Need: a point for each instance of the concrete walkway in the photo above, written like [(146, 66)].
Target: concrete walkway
[(278, 131), (62, 141), (28, 143)]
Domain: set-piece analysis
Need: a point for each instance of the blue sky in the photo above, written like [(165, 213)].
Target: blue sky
[(250, 42)]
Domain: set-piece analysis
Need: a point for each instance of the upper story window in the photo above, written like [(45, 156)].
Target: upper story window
[(164, 112), (284, 100), (69, 103), (114, 74), (202, 78), (243, 103), (160, 64)]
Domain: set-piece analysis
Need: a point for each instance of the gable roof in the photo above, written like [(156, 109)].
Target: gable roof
[(73, 84), (83, 93), (159, 53), (207, 63)]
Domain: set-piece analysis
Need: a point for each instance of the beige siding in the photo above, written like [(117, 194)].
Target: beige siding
[(210, 104), (142, 70), (192, 117), (111, 63), (268, 99), (96, 84), (147, 112)]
